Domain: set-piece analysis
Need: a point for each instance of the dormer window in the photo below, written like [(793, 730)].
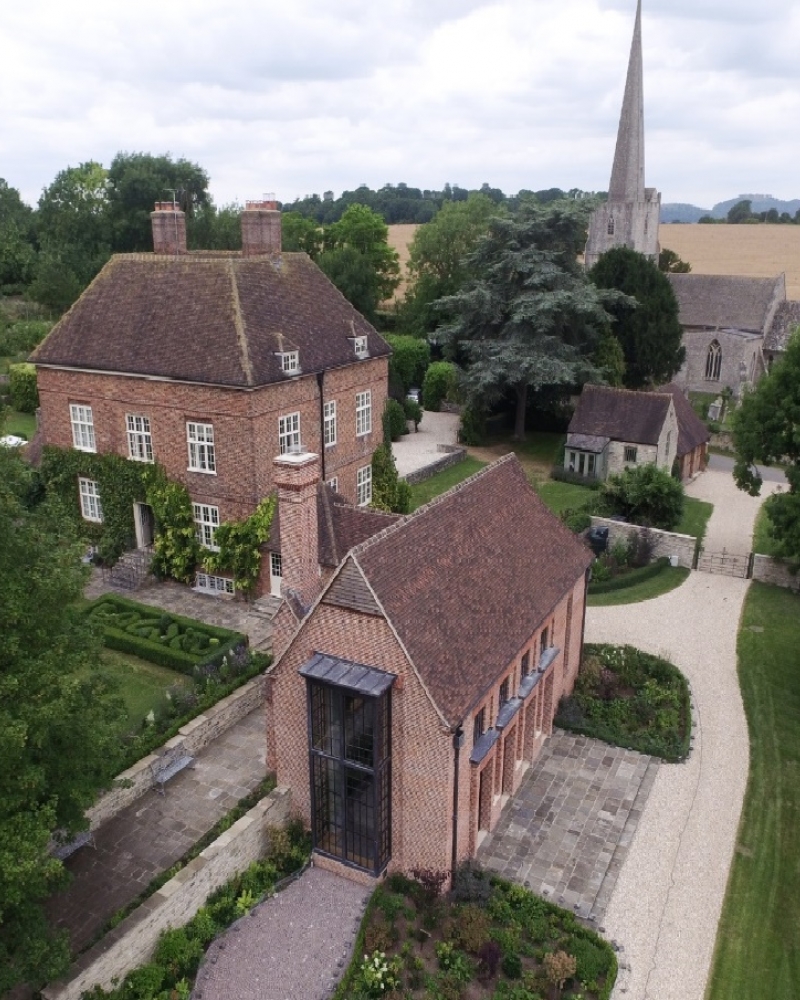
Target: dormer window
[(290, 362), (360, 347)]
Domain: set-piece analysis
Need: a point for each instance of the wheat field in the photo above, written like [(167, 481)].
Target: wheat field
[(753, 251)]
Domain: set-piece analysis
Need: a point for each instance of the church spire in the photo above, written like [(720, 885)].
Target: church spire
[(627, 174)]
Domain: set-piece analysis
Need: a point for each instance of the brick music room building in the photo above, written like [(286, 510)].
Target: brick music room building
[(212, 363), (415, 684)]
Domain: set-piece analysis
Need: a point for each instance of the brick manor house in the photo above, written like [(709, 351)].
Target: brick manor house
[(212, 363), (415, 683)]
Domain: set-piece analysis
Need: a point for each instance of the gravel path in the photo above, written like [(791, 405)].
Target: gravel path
[(293, 946), (665, 908), (416, 450)]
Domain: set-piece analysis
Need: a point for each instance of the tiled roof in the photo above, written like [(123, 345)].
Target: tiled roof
[(620, 414), (720, 302), (217, 318), (467, 579), (786, 321), (692, 432)]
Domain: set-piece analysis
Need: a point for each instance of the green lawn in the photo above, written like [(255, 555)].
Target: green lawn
[(695, 518), (21, 424), (756, 952), (668, 578), (142, 685), (542, 447), (443, 481), (560, 496)]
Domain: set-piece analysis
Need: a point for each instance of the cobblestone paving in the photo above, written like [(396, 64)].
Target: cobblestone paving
[(155, 831), (566, 832)]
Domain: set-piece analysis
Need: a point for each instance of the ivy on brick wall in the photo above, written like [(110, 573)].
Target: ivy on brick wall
[(176, 550), (240, 546)]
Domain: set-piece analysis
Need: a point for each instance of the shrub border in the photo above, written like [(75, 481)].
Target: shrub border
[(631, 578)]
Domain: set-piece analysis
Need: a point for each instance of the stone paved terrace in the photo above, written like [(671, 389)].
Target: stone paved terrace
[(566, 832), (155, 831), (254, 620)]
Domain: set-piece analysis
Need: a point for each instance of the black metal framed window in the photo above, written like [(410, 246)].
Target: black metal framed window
[(526, 663), (350, 763), (478, 726), (504, 692)]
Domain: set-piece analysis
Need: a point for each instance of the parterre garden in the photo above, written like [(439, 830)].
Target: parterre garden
[(487, 938)]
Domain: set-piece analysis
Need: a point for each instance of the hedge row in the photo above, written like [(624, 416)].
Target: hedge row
[(630, 578)]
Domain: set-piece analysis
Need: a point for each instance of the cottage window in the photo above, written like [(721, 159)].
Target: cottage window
[(329, 422), (213, 584), (714, 361), (290, 362), (591, 464), (363, 412), (360, 347), (350, 741), (206, 519), (630, 453), (333, 482), (572, 459), (91, 509), (364, 486), (82, 427), (478, 726), (200, 438), (140, 440), (289, 433)]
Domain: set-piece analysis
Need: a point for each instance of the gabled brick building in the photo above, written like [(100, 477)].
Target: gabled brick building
[(211, 363), (414, 688)]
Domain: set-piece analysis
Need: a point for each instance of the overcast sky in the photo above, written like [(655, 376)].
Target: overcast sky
[(307, 95)]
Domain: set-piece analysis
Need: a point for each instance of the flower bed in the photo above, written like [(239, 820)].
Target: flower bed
[(631, 699), (485, 939), (155, 635)]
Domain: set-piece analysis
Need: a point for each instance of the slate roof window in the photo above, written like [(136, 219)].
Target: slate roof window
[(360, 347)]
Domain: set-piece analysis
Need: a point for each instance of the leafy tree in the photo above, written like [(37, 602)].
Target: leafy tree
[(58, 282), (212, 228), (300, 234), (136, 181), (58, 742), (409, 361), (17, 248), (362, 230), (765, 431), (609, 359), (529, 317), (647, 322), (355, 278), (645, 494), (742, 211), (670, 262), (389, 492)]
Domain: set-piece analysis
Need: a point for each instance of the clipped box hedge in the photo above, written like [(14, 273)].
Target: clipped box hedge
[(222, 641)]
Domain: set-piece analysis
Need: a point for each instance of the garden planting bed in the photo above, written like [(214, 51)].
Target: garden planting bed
[(485, 939), (169, 640), (631, 699)]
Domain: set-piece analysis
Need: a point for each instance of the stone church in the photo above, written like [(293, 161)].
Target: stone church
[(734, 327)]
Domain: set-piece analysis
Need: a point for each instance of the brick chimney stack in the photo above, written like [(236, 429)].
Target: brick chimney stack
[(261, 228), (169, 229), (296, 477)]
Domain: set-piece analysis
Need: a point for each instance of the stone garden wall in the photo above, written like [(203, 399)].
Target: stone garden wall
[(453, 454), (133, 941), (194, 736), (665, 543), (769, 570)]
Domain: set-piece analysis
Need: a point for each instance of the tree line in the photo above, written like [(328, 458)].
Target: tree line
[(742, 213)]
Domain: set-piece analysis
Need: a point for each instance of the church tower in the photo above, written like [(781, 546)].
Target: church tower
[(630, 217)]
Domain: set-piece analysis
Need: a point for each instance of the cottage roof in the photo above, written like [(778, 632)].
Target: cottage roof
[(786, 321), (692, 432), (467, 579), (620, 414), (218, 318), (719, 302)]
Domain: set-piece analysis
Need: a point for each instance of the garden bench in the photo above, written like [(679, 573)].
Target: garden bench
[(168, 764), (63, 851)]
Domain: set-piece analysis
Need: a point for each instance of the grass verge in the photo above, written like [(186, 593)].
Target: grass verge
[(695, 518), (637, 585), (422, 492), (756, 953), (560, 496), (763, 542), (142, 686), (21, 424)]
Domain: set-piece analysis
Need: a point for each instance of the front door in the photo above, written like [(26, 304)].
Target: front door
[(145, 524), (275, 574)]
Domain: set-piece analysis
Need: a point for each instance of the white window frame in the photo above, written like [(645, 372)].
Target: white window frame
[(361, 347), (140, 438), (333, 482), (276, 564), (288, 432), (290, 362), (91, 507), (206, 519), (329, 423), (214, 584), (363, 413), (82, 421), (364, 486), (200, 441)]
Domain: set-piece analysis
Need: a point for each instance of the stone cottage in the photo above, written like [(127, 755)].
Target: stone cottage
[(613, 429), (414, 688), (693, 435), (211, 363)]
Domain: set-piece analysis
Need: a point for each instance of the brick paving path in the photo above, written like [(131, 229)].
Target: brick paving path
[(151, 834), (566, 832)]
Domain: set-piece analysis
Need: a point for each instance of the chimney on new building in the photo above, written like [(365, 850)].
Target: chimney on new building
[(261, 228), (297, 477), (169, 229)]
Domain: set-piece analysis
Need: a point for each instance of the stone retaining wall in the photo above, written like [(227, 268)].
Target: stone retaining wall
[(665, 543), (769, 570), (194, 736), (454, 453), (133, 941)]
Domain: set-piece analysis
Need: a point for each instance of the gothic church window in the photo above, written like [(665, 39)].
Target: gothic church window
[(714, 361), (611, 225)]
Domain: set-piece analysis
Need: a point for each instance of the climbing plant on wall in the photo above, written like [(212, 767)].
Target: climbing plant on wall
[(240, 546), (176, 550)]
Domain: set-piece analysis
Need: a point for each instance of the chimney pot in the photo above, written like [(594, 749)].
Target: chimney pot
[(261, 228), (169, 229)]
